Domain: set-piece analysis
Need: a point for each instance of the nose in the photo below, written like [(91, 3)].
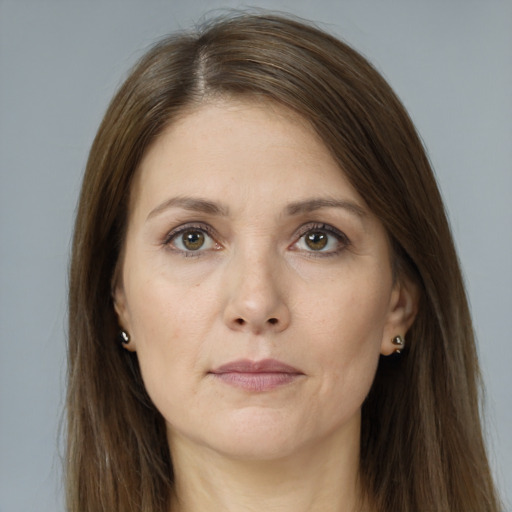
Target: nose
[(256, 300)]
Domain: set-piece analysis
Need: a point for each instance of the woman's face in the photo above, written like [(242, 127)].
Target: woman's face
[(256, 285)]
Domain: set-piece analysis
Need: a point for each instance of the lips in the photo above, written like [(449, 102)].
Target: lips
[(256, 376)]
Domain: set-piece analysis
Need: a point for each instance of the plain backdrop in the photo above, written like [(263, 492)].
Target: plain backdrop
[(60, 62)]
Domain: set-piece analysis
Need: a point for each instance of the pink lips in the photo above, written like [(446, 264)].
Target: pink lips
[(260, 376)]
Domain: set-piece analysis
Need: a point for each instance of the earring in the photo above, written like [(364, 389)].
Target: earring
[(399, 342), (124, 337)]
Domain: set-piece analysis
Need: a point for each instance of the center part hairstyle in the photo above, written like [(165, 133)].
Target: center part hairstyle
[(421, 441)]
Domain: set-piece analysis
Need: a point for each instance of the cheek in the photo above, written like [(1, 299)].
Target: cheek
[(162, 304), (345, 328), (347, 367), (169, 322), (166, 351), (348, 316)]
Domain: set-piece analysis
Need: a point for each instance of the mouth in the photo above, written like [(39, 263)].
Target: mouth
[(256, 376)]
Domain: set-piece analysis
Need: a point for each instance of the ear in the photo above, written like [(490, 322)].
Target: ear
[(403, 308), (122, 312)]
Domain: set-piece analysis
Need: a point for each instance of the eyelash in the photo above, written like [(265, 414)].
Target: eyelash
[(342, 239), (175, 233)]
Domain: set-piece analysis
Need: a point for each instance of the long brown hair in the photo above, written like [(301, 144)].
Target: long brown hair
[(422, 447)]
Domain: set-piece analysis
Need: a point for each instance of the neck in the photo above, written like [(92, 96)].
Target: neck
[(321, 477)]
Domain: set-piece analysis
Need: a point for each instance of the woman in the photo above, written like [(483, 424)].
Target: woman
[(266, 308)]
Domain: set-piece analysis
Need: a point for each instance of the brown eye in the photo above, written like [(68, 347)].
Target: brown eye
[(316, 240), (321, 240), (192, 240)]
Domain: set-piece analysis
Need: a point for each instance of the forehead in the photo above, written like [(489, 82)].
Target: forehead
[(238, 150)]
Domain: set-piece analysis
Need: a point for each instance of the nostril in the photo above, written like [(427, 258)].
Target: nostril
[(240, 321), (273, 321)]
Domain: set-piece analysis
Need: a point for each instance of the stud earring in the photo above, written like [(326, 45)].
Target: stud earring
[(399, 342), (124, 337)]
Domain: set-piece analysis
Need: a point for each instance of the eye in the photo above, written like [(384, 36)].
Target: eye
[(321, 238), (316, 240), (190, 239)]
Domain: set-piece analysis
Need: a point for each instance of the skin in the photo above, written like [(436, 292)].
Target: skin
[(256, 290)]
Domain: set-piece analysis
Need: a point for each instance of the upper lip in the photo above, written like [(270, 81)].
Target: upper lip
[(263, 366)]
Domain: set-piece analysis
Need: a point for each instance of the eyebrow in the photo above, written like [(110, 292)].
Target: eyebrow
[(197, 204), (311, 205), (194, 204)]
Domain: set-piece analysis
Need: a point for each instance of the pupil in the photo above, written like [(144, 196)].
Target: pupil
[(193, 240), (316, 240)]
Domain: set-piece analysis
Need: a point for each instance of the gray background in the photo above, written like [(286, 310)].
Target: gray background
[(60, 61)]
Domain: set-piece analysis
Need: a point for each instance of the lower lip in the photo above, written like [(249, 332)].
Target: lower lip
[(257, 381)]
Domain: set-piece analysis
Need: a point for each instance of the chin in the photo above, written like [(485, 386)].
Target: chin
[(255, 447), (256, 436)]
